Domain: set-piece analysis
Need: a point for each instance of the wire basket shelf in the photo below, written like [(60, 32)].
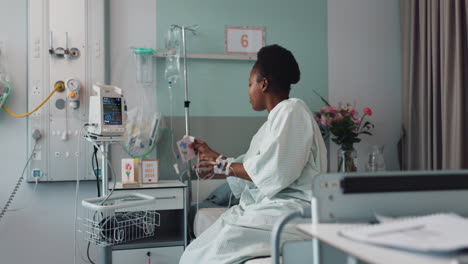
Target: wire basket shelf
[(119, 219)]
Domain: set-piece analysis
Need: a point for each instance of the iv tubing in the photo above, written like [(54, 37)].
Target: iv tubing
[(57, 87)]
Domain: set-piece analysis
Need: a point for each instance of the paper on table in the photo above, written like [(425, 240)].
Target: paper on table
[(439, 232)]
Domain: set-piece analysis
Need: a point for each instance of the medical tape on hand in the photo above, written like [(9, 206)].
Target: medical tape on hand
[(218, 167)]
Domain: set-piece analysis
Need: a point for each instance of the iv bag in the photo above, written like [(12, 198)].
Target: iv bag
[(173, 41), (141, 132), (172, 71)]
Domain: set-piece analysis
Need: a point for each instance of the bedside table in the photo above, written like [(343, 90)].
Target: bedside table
[(170, 238)]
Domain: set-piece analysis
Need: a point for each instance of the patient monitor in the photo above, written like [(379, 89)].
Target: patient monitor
[(107, 111)]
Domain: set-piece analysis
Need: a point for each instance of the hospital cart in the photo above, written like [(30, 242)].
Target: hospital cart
[(170, 237)]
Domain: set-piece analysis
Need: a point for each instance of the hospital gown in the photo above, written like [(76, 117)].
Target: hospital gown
[(283, 157)]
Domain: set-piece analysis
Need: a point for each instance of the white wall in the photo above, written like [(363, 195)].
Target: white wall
[(42, 230), (364, 67)]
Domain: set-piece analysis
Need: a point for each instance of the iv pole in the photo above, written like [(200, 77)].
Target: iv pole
[(193, 29)]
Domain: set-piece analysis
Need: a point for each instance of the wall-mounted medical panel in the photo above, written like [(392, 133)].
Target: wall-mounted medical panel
[(65, 50)]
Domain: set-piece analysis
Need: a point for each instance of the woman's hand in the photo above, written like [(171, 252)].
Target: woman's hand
[(205, 170), (207, 158), (204, 152)]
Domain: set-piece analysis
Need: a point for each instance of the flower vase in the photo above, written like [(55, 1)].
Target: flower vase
[(347, 159)]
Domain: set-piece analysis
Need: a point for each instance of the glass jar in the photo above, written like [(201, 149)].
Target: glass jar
[(144, 68), (144, 65), (347, 159), (376, 160)]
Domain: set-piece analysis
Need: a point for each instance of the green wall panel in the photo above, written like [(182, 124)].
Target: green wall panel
[(219, 88)]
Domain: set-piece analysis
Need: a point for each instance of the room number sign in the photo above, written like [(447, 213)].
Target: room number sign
[(243, 40)]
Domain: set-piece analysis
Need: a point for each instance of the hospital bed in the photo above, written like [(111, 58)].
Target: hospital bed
[(358, 198)]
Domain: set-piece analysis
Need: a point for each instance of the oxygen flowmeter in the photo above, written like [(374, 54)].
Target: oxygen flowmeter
[(73, 87)]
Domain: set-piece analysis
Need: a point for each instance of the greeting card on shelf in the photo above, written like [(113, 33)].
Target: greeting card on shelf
[(150, 171), (130, 171)]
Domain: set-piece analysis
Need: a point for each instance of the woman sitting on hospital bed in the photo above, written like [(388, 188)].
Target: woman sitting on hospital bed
[(274, 177)]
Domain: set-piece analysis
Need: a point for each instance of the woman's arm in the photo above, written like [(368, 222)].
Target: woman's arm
[(237, 170), (208, 156)]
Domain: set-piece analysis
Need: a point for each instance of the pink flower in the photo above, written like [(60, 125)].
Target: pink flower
[(330, 109), (338, 117), (128, 166), (367, 111), (343, 123), (323, 120)]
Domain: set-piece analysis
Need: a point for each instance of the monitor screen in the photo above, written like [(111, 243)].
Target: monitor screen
[(112, 108)]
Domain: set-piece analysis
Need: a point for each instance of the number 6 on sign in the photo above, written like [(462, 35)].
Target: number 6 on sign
[(244, 40)]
